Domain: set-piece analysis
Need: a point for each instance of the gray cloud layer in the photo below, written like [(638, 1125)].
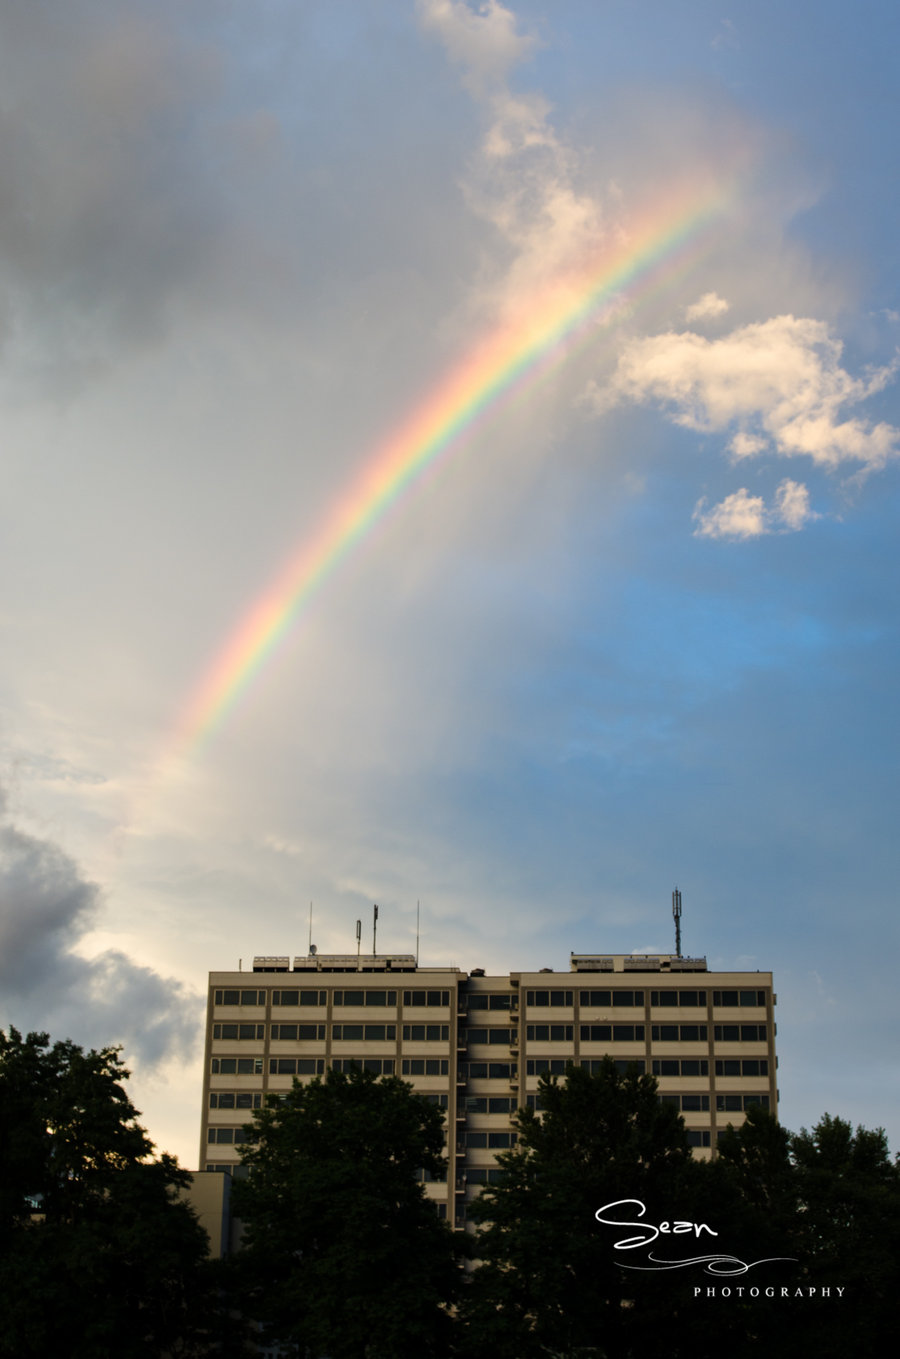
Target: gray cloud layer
[(46, 907)]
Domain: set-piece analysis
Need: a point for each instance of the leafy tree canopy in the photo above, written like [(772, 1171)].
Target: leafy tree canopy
[(343, 1254), (548, 1283), (98, 1256)]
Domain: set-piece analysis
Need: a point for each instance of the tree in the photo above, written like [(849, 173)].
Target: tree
[(548, 1282), (98, 1255), (830, 1199), (343, 1254)]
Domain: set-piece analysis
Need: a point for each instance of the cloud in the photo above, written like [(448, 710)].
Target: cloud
[(484, 42), (524, 180), (706, 307), (742, 515), (46, 908), (779, 381)]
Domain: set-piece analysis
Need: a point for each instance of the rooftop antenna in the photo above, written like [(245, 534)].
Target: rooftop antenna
[(417, 934), (676, 916), (374, 928), (310, 930), (358, 941)]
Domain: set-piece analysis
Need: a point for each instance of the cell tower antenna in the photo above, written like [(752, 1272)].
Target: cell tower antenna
[(310, 929), (676, 916), (358, 941), (374, 928), (417, 934)]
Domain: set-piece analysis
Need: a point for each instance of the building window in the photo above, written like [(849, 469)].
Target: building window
[(674, 1067), (235, 1099), (302, 1032), (365, 998), (735, 1067), (425, 1066), (677, 997), (549, 1033), (427, 998), (622, 1064), (487, 1000), (741, 1033), (697, 1137), (379, 1066), (612, 1033), (236, 1066), (592, 999), (299, 997), (750, 998), (674, 1033), (239, 1031), (364, 1033), (628, 997), (730, 1104), (537, 1066), (227, 1136), (296, 1066), (426, 1033), (493, 1071), (240, 998), (552, 998)]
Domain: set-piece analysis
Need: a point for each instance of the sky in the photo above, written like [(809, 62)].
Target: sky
[(449, 460)]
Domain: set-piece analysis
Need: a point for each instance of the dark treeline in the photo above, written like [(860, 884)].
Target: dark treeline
[(344, 1257)]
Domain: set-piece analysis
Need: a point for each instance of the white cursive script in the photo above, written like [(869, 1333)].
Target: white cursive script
[(649, 1232)]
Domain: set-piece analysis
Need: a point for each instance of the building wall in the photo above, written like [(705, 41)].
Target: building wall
[(477, 1045)]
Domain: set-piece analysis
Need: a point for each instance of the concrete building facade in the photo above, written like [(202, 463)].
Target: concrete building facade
[(476, 1045)]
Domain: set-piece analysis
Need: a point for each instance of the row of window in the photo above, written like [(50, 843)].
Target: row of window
[(345, 1033), (555, 998), (748, 1067), (495, 1141), (367, 996), (496, 1036), (612, 1033), (688, 1104), (687, 1066), (736, 1103), (425, 1066), (548, 1033), (235, 1099), (502, 1000), (489, 1104), (740, 1033), (679, 1033), (227, 1136), (492, 1071), (483, 1175)]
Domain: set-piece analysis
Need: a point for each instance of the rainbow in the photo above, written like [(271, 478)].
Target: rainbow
[(560, 318)]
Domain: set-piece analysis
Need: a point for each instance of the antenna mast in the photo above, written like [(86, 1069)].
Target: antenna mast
[(358, 941), (676, 916), (374, 928), (417, 934)]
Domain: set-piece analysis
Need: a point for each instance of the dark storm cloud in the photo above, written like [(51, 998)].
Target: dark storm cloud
[(46, 908)]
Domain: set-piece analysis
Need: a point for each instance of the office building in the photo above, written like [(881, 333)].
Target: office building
[(477, 1045)]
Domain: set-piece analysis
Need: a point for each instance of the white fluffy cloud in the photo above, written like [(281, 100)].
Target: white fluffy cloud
[(742, 515), (484, 42), (706, 308), (779, 384), (525, 179)]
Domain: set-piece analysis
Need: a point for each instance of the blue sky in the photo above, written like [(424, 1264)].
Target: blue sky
[(640, 632)]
